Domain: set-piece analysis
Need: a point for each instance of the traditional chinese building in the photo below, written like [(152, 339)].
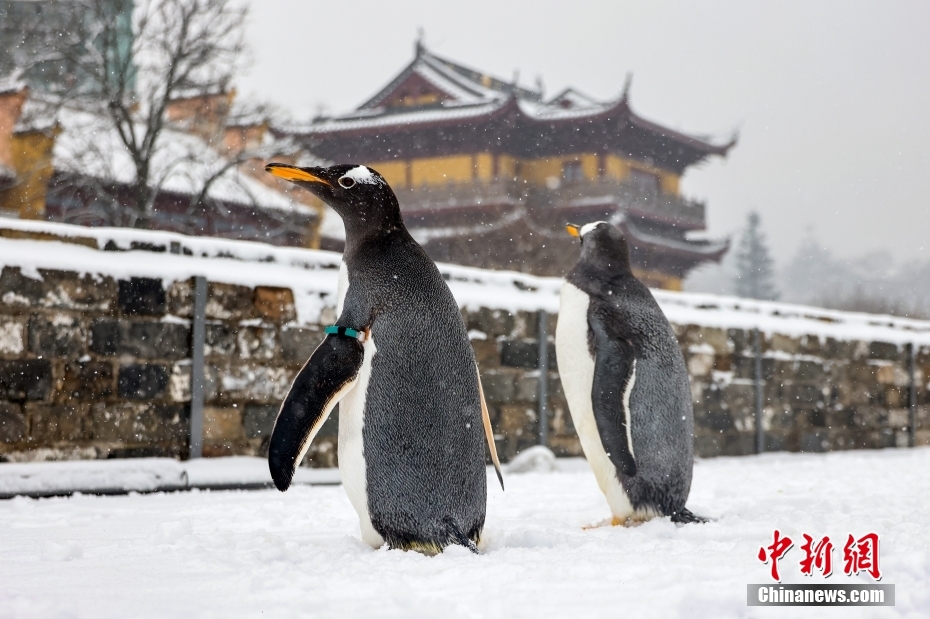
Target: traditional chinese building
[(488, 172)]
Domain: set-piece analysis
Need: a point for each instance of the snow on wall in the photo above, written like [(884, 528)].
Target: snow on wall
[(312, 276)]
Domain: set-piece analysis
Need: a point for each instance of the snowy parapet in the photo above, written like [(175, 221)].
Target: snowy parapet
[(312, 276)]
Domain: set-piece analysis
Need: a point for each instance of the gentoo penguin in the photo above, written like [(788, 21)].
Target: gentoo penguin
[(625, 381), (412, 418)]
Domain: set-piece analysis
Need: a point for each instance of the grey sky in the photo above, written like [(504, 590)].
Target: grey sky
[(832, 99)]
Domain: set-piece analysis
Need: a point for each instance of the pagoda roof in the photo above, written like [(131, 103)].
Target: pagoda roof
[(453, 95)]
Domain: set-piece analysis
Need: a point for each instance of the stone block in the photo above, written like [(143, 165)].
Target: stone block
[(179, 383), (141, 423), (258, 420), (154, 340), (498, 387), (145, 339), (892, 374), (121, 422), (142, 382), (18, 290), (172, 423), (257, 343), (817, 418), (808, 395), (526, 388), (229, 302), (60, 336), (12, 341), (62, 422), (713, 337), (89, 380), (810, 370), (515, 420), (700, 363), (25, 379), (838, 349), (323, 453), (486, 353), (180, 299), (297, 344), (815, 441), (12, 423), (707, 445), (494, 323), (520, 354), (105, 336), (220, 340), (70, 291), (737, 444), (784, 343), (275, 304), (775, 442), (885, 350), (715, 420), (142, 296), (222, 424), (248, 383)]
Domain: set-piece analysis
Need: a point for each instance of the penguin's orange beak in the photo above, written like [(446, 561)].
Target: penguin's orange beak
[(294, 174), (573, 230)]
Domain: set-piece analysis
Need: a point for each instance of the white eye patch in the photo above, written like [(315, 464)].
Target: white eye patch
[(588, 227), (362, 175)]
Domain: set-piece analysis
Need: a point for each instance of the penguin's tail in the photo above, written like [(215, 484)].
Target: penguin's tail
[(456, 535), (684, 516)]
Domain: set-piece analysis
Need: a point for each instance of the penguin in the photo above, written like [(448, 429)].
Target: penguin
[(625, 381), (412, 417)]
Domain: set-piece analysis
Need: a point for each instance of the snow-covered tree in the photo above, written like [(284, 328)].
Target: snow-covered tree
[(754, 265)]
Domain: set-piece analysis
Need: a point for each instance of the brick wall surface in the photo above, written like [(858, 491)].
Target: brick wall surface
[(93, 367)]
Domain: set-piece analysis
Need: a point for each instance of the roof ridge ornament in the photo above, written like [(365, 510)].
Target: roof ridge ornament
[(418, 47), (625, 97)]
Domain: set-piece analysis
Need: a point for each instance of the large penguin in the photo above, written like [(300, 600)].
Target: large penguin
[(625, 381), (412, 419)]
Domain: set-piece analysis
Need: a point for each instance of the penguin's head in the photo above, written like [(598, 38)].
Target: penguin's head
[(357, 193), (602, 245)]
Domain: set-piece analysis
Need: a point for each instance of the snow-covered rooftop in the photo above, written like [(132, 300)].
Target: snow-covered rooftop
[(312, 275), (90, 146)]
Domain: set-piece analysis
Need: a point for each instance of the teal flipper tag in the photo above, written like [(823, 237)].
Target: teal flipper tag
[(345, 332)]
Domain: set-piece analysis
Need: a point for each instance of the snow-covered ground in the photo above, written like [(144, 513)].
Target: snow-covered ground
[(298, 554)]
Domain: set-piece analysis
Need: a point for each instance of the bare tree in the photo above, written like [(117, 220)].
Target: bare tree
[(131, 72)]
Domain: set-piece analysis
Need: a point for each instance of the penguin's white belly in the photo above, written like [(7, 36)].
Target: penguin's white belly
[(576, 370), (351, 421), (352, 448)]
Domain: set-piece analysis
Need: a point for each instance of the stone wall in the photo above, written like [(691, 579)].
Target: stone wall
[(99, 367)]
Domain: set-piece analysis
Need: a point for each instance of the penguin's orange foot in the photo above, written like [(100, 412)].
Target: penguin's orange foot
[(609, 522)]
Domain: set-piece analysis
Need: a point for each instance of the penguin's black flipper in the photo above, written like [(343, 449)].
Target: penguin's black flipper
[(328, 375), (614, 376)]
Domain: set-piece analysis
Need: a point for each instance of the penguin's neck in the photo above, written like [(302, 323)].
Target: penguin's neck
[(360, 237), (597, 279)]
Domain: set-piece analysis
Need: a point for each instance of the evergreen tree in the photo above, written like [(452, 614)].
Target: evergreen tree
[(754, 265)]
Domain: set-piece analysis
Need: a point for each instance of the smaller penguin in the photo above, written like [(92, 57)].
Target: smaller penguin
[(625, 381)]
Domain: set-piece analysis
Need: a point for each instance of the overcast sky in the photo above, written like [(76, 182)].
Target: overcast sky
[(832, 99)]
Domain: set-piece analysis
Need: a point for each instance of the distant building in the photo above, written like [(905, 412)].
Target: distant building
[(59, 162), (488, 173), (40, 38)]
